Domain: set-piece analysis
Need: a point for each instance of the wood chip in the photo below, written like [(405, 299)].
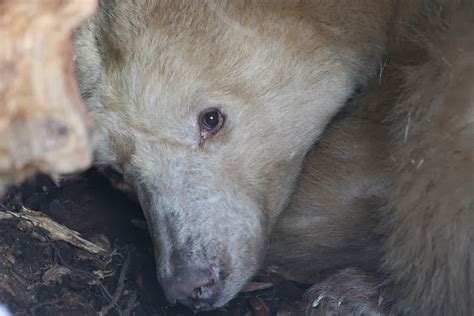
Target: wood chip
[(5, 215), (10, 258), (256, 286), (55, 274), (4, 285), (56, 231)]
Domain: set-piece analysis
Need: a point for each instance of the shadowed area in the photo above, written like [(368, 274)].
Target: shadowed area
[(41, 276)]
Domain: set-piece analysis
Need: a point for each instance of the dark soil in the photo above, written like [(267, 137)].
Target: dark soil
[(39, 276)]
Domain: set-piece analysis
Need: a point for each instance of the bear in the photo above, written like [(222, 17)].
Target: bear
[(215, 115), (416, 235)]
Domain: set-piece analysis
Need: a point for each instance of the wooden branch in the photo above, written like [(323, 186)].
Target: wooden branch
[(43, 124)]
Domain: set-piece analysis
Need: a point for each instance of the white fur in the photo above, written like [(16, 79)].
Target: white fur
[(277, 70)]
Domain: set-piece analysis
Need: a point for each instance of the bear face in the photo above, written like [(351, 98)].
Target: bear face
[(208, 109)]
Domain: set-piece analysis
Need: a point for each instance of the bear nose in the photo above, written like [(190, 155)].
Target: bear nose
[(193, 287)]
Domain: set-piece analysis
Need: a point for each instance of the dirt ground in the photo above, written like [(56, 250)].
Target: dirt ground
[(42, 276)]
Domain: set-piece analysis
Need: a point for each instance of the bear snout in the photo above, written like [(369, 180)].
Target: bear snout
[(194, 287)]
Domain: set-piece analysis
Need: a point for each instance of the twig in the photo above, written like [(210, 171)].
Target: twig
[(38, 306), (256, 286), (131, 304), (118, 291), (59, 232), (55, 230), (91, 275)]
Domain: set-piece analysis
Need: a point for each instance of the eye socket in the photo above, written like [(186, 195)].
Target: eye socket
[(211, 120)]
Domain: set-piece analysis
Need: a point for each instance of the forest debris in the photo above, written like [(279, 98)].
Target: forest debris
[(113, 304), (43, 124), (258, 306), (5, 215), (16, 289), (55, 230), (132, 303), (5, 285), (10, 258), (55, 274), (40, 305), (256, 286)]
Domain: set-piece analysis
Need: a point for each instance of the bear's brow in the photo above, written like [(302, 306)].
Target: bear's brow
[(157, 135)]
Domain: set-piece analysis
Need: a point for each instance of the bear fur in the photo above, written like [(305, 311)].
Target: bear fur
[(378, 197)]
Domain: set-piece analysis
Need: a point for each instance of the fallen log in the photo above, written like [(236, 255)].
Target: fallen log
[(43, 124)]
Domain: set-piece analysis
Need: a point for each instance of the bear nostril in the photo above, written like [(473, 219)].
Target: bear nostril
[(204, 292), (196, 293), (197, 288), (211, 282)]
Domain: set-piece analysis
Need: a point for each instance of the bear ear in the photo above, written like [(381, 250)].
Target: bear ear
[(96, 37), (88, 62)]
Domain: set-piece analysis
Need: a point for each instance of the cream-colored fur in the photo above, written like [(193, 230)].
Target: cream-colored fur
[(389, 188), (278, 71)]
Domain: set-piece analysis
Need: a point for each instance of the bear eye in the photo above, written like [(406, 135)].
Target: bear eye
[(211, 120)]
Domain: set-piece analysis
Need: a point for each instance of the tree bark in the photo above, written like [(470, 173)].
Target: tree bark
[(43, 124)]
